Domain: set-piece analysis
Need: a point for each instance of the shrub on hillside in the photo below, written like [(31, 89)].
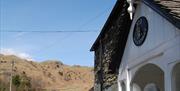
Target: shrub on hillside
[(16, 80), (21, 82)]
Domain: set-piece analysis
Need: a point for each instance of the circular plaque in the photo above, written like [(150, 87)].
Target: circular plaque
[(140, 31)]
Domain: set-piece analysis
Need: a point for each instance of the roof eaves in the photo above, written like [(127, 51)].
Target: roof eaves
[(104, 29), (164, 14)]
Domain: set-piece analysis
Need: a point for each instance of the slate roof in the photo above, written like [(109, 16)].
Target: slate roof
[(113, 15), (169, 9), (171, 6)]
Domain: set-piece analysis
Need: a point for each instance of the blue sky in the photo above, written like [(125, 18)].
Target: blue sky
[(52, 15)]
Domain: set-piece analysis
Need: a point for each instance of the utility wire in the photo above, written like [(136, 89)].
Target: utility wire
[(93, 18), (71, 32), (49, 31), (63, 31)]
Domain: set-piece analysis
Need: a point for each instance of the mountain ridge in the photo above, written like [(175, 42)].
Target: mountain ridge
[(50, 74)]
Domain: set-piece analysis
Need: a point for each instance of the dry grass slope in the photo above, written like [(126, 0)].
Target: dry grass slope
[(50, 75)]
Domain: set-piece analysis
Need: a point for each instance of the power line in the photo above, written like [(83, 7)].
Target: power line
[(93, 18), (71, 32), (37, 31), (63, 31)]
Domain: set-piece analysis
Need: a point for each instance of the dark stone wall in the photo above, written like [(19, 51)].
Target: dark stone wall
[(109, 52)]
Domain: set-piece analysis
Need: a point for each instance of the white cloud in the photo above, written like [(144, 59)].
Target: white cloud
[(19, 35), (16, 53)]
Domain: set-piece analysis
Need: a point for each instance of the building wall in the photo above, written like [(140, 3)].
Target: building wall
[(161, 47), (108, 53), (160, 35)]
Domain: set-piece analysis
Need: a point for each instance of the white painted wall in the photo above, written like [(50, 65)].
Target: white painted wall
[(160, 34), (161, 47)]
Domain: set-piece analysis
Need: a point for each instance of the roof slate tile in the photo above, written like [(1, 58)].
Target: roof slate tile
[(170, 6)]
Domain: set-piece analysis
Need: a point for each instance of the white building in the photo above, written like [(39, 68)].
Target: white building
[(139, 51)]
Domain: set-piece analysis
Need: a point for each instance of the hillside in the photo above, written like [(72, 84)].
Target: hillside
[(50, 75)]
